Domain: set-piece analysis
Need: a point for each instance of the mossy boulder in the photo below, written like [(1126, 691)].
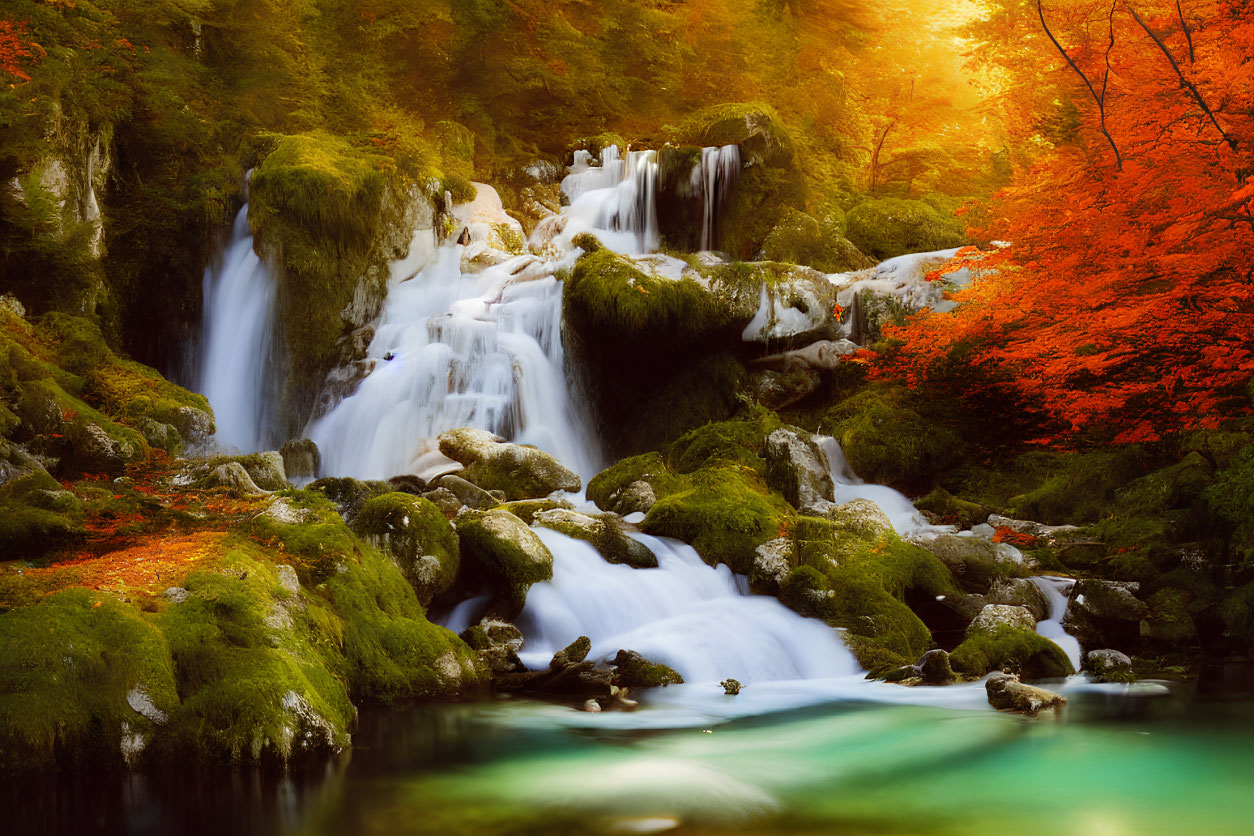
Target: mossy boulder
[(527, 509), (818, 242), (887, 442), (500, 551), (604, 532), (635, 671), (348, 494), (265, 469), (67, 667), (520, 471), (36, 514), (975, 562), (617, 488), (888, 227), (865, 586), (413, 532), (1013, 649)]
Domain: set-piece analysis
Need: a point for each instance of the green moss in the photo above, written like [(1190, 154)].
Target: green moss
[(348, 494), (36, 515), (318, 545), (526, 509), (635, 671), (755, 126), (414, 532), (888, 227), (1232, 499), (737, 442), (798, 238), (647, 467), (946, 509), (862, 583), (606, 535), (1012, 649), (66, 667), (725, 515), (887, 442), (254, 665), (501, 552), (392, 654), (265, 469)]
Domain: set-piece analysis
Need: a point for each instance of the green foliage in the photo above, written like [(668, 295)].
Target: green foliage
[(1232, 498), (888, 227)]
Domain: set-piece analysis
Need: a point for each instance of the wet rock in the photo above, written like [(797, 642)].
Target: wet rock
[(797, 468), (1007, 693), (772, 561), (234, 478), (409, 483), (301, 459), (731, 687), (522, 472), (348, 494), (502, 552), (603, 531), (571, 654), (976, 563), (93, 451), (445, 500), (934, 668), (570, 677), (635, 497), (638, 672), (1106, 665), (497, 644), (795, 309), (1105, 613), (468, 494), (995, 616), (526, 509), (905, 675), (1051, 534)]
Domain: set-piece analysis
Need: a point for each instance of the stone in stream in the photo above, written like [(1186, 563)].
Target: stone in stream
[(520, 471), (604, 532), (1105, 613), (638, 672), (1108, 665), (731, 687), (1007, 693), (467, 493), (934, 668), (502, 552)]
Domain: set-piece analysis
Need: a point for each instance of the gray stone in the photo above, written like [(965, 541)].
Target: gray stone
[(468, 494), (522, 472), (603, 531), (772, 561), (635, 497), (797, 468), (1106, 665), (235, 478), (996, 616), (1007, 693)]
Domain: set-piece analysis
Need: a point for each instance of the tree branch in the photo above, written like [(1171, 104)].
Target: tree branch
[(1184, 82), (1185, 26), (1100, 100)]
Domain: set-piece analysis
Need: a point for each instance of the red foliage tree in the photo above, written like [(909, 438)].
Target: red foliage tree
[(17, 49), (1124, 308)]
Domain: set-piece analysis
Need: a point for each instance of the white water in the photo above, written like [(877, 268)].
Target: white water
[(237, 328), (700, 621), (617, 199), (905, 518), (714, 178), (1055, 591)]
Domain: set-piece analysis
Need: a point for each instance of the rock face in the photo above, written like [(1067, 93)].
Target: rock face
[(1108, 665), (520, 471), (995, 616), (502, 552), (1007, 693), (1105, 613), (772, 561), (604, 532), (301, 459), (797, 468), (795, 309), (93, 451)]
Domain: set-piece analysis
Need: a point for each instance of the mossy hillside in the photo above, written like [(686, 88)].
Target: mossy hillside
[(887, 227), (66, 667), (254, 661), (414, 533), (862, 584), (886, 441), (36, 514), (1011, 649)]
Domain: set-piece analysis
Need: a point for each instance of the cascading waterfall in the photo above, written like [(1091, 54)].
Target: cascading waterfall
[(1055, 591), (238, 324), (698, 620), (905, 518), (714, 178), (618, 199)]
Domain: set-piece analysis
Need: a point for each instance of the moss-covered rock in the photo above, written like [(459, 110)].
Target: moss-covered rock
[(887, 442), (501, 551), (348, 494), (520, 471), (976, 563), (527, 509), (635, 671), (609, 489), (414, 533), (819, 242), (83, 679), (604, 532), (36, 515), (1013, 649), (888, 227)]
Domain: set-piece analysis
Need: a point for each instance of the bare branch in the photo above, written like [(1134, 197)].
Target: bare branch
[(1100, 100), (1184, 82), (1185, 26)]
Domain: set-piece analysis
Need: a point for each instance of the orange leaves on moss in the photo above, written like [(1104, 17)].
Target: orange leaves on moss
[(149, 567)]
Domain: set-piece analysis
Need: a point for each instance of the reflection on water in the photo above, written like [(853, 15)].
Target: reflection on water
[(1147, 767)]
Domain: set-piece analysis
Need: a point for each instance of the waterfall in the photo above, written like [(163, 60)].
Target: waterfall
[(238, 325), (714, 178), (905, 518), (1055, 591), (700, 621), (617, 199)]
